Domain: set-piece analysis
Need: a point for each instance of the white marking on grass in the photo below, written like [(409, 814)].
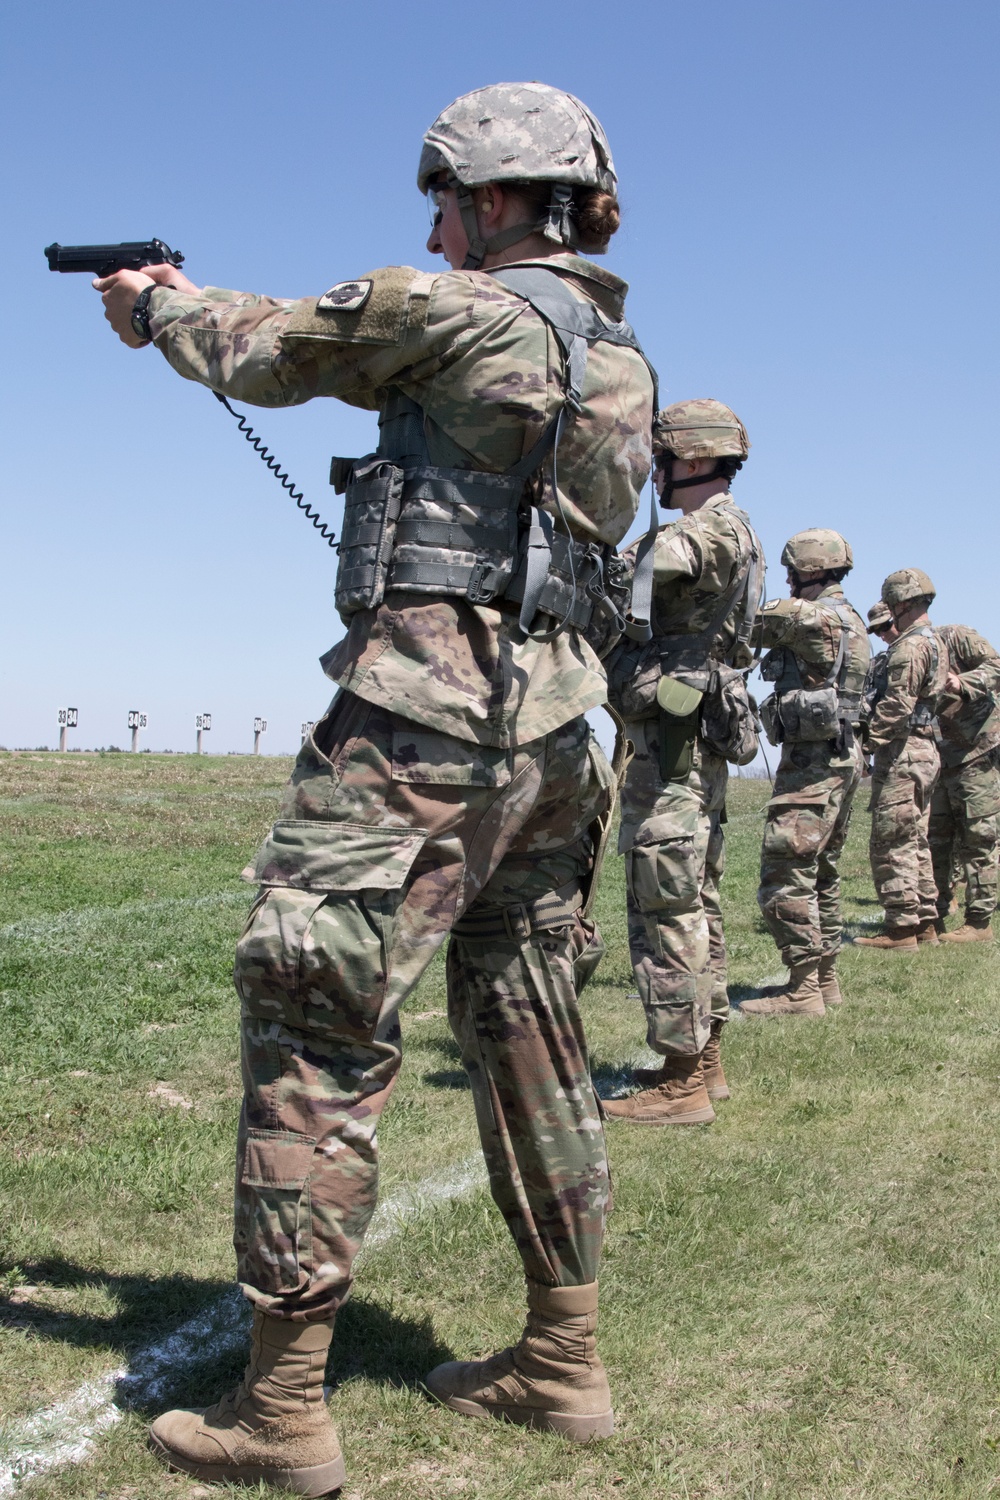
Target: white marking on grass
[(64, 1433), (56, 924)]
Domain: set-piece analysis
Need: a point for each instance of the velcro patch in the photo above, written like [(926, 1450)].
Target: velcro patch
[(346, 296)]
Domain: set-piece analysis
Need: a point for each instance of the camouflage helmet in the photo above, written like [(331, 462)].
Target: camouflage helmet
[(518, 132), (907, 584), (879, 616), (700, 429), (815, 550)]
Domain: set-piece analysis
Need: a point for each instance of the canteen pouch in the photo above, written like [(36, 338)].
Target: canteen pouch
[(680, 711), (371, 510), (729, 723), (810, 714), (771, 720)]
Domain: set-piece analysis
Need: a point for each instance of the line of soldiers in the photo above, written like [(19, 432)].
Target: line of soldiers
[(925, 710)]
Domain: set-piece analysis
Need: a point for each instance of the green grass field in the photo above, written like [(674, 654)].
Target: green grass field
[(799, 1301)]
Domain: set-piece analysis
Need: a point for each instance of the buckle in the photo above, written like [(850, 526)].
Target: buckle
[(478, 590), (517, 922)]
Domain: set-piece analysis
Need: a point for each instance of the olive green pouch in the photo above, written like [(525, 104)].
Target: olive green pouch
[(679, 713)]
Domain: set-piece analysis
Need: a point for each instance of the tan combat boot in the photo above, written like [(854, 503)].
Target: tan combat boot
[(969, 932), (903, 939), (679, 1097), (716, 1086), (274, 1428), (829, 985), (552, 1379), (801, 996), (927, 932)]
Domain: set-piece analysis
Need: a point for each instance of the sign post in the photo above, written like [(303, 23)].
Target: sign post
[(136, 720), (203, 724), (68, 719), (259, 728)]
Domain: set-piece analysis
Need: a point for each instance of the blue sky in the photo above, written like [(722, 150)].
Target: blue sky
[(810, 195)]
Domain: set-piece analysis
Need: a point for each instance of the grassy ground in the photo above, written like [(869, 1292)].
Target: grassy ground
[(799, 1301)]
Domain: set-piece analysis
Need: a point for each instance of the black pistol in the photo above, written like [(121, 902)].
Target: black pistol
[(105, 260)]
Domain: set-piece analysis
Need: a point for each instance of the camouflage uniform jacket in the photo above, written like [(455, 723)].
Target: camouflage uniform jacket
[(811, 631), (695, 562), (969, 722), (487, 372), (915, 673)]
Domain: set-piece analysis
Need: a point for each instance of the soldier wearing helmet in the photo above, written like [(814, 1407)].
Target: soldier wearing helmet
[(683, 696), (817, 660), (962, 829), (901, 733), (453, 786)]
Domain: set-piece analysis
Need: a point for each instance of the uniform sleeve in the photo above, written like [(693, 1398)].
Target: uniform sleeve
[(977, 665), (268, 351), (776, 623), (675, 555), (906, 672)]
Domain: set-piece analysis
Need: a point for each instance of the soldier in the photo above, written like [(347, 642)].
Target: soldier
[(453, 785), (818, 660), (905, 769), (966, 800), (674, 695)]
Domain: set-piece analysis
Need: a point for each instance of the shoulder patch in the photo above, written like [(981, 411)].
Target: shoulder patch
[(376, 308), (346, 296)]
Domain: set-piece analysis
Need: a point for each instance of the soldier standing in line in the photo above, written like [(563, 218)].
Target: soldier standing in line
[(686, 710), (818, 661), (963, 819), (453, 785), (901, 733)]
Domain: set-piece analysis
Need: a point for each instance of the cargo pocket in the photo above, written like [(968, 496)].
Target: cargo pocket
[(894, 813), (315, 954), (662, 867), (796, 825), (273, 1231)]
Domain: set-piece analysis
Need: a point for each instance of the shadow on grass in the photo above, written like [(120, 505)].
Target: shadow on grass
[(184, 1341), (448, 1078)]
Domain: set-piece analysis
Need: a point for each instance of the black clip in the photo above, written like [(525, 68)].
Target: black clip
[(478, 590)]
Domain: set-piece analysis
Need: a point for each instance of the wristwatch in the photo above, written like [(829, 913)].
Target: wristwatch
[(140, 313)]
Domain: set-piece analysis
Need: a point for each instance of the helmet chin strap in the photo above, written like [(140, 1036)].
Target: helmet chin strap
[(670, 484), (557, 225)]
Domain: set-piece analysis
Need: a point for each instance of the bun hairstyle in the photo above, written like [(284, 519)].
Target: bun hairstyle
[(596, 214)]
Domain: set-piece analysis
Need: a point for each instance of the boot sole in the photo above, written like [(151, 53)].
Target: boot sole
[(321, 1479), (773, 1015), (695, 1117), (576, 1429)]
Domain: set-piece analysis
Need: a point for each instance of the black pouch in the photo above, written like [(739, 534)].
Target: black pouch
[(371, 510)]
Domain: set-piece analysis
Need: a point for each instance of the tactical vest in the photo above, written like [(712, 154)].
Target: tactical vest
[(692, 656), (831, 710), (412, 525), (876, 683)]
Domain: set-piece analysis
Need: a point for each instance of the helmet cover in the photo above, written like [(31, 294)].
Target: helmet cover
[(815, 550), (700, 429), (879, 616), (906, 584)]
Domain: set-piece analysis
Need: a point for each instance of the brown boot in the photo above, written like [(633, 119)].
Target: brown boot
[(552, 1379), (829, 986), (969, 932), (801, 996), (716, 1086), (274, 1428), (901, 938), (927, 932), (679, 1097)]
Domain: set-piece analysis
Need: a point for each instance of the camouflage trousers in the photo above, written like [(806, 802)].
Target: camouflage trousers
[(675, 855), (904, 775), (963, 835), (807, 821), (391, 835)]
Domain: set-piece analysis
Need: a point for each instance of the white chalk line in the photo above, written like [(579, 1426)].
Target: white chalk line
[(56, 924), (64, 1433)]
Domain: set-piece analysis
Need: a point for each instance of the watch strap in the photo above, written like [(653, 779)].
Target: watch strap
[(140, 313)]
